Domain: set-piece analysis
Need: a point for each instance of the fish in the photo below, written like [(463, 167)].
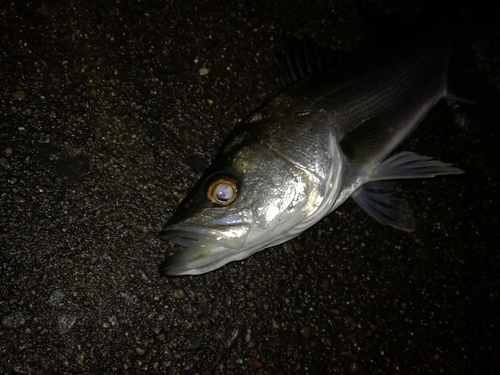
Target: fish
[(301, 155)]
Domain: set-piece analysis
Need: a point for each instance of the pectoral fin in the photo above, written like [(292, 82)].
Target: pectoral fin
[(370, 141)]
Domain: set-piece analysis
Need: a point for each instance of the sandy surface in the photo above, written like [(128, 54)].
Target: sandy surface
[(105, 123)]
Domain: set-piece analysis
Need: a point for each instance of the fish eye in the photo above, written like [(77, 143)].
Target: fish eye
[(222, 191)]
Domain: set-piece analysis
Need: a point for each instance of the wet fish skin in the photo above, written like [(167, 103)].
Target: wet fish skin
[(303, 154)]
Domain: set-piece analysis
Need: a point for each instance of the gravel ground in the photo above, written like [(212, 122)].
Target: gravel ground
[(110, 109)]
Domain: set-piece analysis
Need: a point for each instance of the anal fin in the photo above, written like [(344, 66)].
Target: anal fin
[(377, 196), (378, 200)]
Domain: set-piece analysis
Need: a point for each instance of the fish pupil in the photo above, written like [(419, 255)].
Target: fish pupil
[(224, 192)]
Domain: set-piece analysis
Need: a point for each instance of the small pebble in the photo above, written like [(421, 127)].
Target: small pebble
[(179, 293), (254, 364), (80, 358), (114, 321), (19, 94), (13, 321), (4, 162), (66, 322), (195, 343), (306, 331), (19, 198)]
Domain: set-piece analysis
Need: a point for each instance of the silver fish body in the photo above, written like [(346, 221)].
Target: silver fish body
[(308, 150)]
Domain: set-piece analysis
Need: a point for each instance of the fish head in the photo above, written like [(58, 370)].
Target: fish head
[(244, 203)]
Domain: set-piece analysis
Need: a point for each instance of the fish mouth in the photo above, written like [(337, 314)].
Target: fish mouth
[(205, 248)]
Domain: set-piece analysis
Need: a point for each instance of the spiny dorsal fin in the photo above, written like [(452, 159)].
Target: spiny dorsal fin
[(304, 58)]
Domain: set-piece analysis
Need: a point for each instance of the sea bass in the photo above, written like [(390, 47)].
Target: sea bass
[(300, 156)]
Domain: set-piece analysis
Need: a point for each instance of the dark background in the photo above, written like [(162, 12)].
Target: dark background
[(106, 122)]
